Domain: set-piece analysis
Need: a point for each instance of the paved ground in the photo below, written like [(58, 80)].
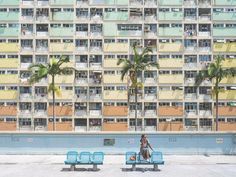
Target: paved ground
[(176, 166)]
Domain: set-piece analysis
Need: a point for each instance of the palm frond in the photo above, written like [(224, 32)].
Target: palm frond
[(201, 76), (125, 70), (230, 72)]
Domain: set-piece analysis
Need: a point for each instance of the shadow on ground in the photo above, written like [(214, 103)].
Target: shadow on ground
[(79, 169), (139, 170)]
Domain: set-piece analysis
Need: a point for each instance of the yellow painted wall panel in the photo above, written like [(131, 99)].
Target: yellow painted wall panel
[(168, 79), (61, 47), (227, 63), (227, 95), (171, 94), (170, 47), (8, 95), (115, 95), (111, 63), (116, 79), (9, 79), (63, 79), (116, 47), (9, 63), (9, 47), (229, 80), (171, 63), (64, 94)]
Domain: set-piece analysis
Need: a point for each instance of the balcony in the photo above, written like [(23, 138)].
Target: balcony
[(95, 113), (224, 47), (61, 111), (26, 97), (9, 32), (224, 16), (170, 111), (61, 47), (171, 63), (170, 16), (171, 95), (227, 95), (61, 2), (9, 79), (9, 63), (9, 3), (170, 2), (170, 47), (63, 79), (111, 63), (129, 33), (8, 111), (43, 3), (115, 111), (81, 113), (8, 94), (64, 95), (168, 31), (62, 16), (40, 97), (61, 32), (116, 16), (116, 47), (150, 113), (224, 2), (115, 95), (9, 47), (40, 113), (171, 79), (9, 16), (113, 79), (205, 113)]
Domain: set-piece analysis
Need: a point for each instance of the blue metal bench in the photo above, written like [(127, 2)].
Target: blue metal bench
[(84, 158), (133, 158)]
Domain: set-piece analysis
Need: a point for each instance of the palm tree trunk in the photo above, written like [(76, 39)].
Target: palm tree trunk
[(217, 96), (53, 103), (136, 107)]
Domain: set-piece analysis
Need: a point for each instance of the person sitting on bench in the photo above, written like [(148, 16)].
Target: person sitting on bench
[(144, 147)]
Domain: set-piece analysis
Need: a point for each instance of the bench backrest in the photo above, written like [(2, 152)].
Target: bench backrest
[(72, 156), (130, 157), (84, 157), (98, 157), (156, 157)]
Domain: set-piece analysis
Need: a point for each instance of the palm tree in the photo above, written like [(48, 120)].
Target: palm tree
[(140, 62), (215, 72), (53, 68)]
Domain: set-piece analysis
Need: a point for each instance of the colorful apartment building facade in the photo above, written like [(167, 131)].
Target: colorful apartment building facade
[(184, 35)]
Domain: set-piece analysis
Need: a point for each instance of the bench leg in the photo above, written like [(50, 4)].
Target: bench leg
[(95, 167), (72, 168), (133, 167), (155, 167)]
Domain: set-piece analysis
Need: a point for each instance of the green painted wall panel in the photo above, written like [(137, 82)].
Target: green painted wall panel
[(9, 32), (9, 16), (62, 2), (9, 2), (167, 31), (109, 29), (223, 16), (118, 16), (61, 31), (224, 2), (170, 2), (170, 16), (224, 32)]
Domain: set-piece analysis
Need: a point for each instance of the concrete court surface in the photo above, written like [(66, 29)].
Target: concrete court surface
[(175, 166)]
